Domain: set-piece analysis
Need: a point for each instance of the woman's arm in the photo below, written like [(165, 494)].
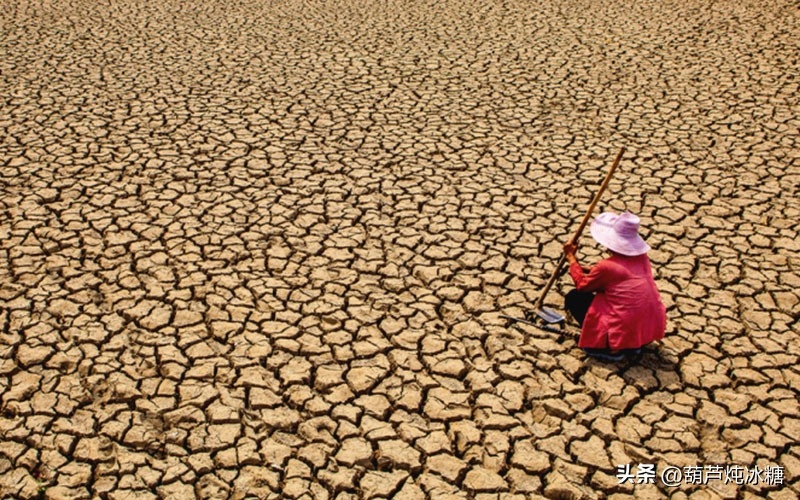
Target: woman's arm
[(594, 279)]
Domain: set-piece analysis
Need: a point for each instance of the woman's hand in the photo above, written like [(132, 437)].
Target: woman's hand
[(569, 251)]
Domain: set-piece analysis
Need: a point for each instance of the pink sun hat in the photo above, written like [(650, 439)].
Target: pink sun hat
[(619, 233)]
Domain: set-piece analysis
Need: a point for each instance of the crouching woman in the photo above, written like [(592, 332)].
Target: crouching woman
[(616, 301)]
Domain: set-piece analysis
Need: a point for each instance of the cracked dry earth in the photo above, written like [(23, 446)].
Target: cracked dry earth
[(259, 249)]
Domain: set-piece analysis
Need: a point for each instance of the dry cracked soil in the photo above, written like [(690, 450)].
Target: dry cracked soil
[(260, 248)]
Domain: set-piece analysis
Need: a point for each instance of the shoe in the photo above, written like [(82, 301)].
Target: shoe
[(604, 354)]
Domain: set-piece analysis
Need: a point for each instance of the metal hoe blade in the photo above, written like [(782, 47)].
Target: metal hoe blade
[(549, 316)]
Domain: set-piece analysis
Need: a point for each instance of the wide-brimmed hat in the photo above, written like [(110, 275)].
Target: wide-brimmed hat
[(619, 233)]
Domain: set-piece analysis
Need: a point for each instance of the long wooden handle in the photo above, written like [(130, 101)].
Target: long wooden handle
[(578, 233), (597, 196)]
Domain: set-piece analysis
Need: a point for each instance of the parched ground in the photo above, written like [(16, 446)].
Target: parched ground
[(259, 248)]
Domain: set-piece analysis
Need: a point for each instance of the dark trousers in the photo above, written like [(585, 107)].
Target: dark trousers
[(577, 303)]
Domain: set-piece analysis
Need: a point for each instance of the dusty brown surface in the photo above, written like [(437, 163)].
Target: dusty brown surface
[(258, 249)]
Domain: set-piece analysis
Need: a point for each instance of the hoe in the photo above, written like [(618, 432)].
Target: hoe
[(545, 313)]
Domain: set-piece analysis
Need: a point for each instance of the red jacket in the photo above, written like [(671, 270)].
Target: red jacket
[(626, 312)]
